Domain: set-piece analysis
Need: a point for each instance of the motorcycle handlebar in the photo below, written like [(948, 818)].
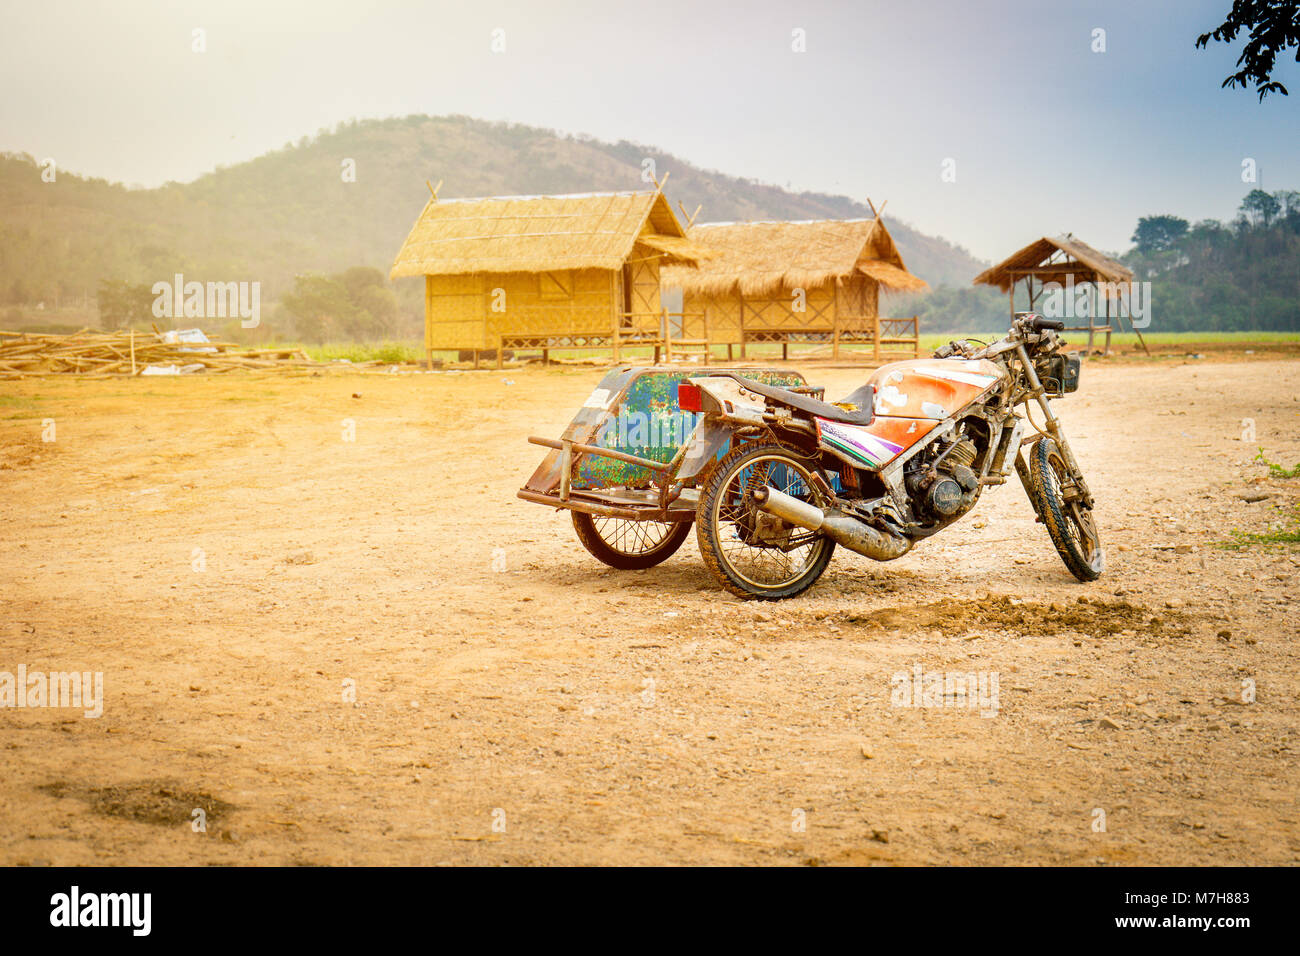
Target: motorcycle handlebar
[(1036, 322)]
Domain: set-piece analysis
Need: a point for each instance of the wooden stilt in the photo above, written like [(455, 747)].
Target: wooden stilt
[(742, 328)]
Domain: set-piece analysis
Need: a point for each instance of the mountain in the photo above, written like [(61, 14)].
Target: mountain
[(292, 211)]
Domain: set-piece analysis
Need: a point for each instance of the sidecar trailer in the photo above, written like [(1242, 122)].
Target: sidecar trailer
[(628, 452)]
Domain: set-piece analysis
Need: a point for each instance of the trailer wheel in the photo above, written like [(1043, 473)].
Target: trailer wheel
[(629, 545)]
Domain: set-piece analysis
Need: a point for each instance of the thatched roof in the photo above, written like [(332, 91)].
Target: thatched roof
[(541, 234), (1051, 260), (766, 258)]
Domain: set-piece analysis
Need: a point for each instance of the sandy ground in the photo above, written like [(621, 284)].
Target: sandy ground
[(234, 567)]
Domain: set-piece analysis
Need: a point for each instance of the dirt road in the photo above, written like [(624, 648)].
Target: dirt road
[(315, 642)]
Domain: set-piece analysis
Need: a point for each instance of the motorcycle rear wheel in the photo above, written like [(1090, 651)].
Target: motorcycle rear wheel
[(629, 545), (1069, 523), (726, 529)]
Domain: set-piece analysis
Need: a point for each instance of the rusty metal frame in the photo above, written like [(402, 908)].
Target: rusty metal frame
[(669, 490), (575, 504), (558, 492)]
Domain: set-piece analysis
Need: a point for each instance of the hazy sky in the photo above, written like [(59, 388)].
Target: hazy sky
[(1046, 135)]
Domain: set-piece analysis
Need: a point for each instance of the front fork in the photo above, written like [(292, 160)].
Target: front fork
[(1078, 488)]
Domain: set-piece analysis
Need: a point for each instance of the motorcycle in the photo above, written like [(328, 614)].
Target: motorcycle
[(773, 477), (911, 450)]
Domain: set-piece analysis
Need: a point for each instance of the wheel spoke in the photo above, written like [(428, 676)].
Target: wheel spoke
[(1069, 521), (764, 565), (632, 537), (1073, 526)]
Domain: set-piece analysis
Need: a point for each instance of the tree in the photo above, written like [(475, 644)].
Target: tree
[(1232, 277), (1274, 27), (1259, 207), (122, 304), (1159, 233), (1207, 230), (357, 305), (1288, 200), (316, 305)]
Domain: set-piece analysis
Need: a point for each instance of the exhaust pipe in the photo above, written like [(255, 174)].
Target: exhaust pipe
[(850, 532)]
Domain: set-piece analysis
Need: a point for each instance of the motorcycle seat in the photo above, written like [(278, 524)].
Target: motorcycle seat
[(863, 399)]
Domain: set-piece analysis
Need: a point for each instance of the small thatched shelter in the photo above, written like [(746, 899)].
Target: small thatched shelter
[(543, 271), (1065, 261), (789, 282)]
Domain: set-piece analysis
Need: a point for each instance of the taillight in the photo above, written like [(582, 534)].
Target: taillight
[(689, 397)]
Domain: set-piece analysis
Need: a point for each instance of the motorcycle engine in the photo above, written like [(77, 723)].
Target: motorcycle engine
[(943, 484)]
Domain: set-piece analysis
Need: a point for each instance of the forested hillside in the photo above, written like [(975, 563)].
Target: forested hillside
[(1240, 275), (1213, 276), (347, 198)]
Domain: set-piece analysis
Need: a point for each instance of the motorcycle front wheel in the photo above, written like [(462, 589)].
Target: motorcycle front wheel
[(1069, 523), (752, 554)]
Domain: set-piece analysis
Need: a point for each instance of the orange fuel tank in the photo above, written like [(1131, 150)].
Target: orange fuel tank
[(932, 388), (911, 399)]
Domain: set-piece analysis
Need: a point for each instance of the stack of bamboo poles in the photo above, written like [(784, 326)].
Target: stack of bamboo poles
[(129, 353)]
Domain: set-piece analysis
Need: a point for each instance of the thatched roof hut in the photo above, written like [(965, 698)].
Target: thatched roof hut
[(539, 234), (514, 271), (1051, 260), (816, 281), (1066, 261), (763, 259)]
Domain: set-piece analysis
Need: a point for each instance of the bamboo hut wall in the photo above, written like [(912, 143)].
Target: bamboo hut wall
[(857, 303), (722, 311), (460, 314), (455, 310), (777, 313), (641, 282)]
